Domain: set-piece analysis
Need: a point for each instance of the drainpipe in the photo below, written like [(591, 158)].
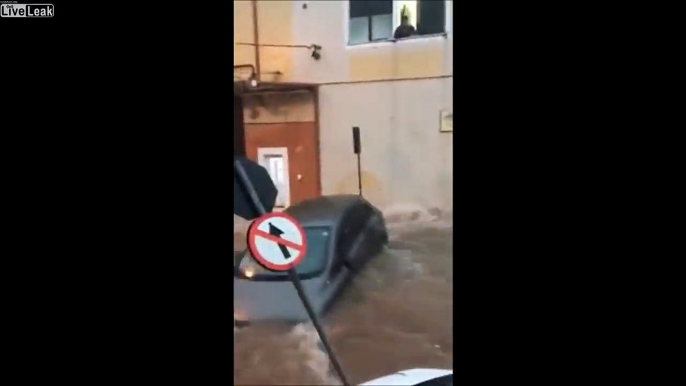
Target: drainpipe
[(245, 66), (256, 39)]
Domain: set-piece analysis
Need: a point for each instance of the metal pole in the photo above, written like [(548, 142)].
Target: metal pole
[(359, 173), (357, 149), (256, 35), (245, 181), (254, 197), (315, 321)]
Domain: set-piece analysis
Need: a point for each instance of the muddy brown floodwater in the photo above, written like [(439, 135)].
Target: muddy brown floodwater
[(396, 315)]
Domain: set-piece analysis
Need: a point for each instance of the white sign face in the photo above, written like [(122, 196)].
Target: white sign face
[(277, 241)]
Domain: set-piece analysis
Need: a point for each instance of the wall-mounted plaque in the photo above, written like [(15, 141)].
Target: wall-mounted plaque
[(446, 121)]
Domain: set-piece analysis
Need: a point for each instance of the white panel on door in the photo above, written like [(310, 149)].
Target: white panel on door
[(275, 160)]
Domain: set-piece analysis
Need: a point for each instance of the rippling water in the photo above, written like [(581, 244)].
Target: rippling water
[(396, 315)]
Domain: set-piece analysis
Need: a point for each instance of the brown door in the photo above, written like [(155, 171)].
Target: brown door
[(300, 140)]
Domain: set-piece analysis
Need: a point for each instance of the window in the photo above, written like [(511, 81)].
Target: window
[(374, 21), (359, 216), (346, 237), (275, 160), (351, 229), (370, 21)]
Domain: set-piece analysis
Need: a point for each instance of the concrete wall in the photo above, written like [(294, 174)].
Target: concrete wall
[(325, 23), (274, 27), (406, 159)]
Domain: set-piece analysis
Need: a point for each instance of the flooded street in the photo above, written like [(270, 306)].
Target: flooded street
[(396, 315)]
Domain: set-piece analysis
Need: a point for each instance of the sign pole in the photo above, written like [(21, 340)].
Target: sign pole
[(252, 193), (317, 326), (245, 181), (359, 174), (357, 148)]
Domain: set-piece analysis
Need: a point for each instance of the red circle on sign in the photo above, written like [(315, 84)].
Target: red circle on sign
[(254, 233)]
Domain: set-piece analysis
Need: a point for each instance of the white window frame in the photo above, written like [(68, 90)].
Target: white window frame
[(262, 155), (396, 23)]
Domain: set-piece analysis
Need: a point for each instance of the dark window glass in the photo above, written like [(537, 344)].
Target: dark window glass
[(346, 236), (370, 21), (351, 228), (374, 20), (430, 17), (360, 215), (360, 8)]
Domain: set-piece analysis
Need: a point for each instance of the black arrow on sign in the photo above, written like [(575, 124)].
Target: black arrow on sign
[(274, 231)]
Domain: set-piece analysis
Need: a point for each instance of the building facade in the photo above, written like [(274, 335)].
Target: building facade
[(322, 67)]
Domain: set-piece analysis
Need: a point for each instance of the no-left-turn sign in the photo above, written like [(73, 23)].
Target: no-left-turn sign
[(277, 241)]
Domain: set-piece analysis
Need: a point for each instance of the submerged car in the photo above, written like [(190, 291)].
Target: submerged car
[(343, 233)]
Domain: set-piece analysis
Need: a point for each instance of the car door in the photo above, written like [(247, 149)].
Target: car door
[(348, 238), (371, 240), (345, 239), (363, 239)]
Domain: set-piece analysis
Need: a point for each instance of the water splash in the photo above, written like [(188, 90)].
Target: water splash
[(317, 360), (391, 318), (402, 218)]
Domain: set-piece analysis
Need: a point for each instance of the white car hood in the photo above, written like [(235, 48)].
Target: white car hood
[(408, 377)]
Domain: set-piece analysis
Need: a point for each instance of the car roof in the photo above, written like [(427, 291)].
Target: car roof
[(324, 210)]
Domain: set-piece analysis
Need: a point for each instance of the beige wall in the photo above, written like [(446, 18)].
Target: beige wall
[(325, 23), (242, 32), (406, 160), (274, 27)]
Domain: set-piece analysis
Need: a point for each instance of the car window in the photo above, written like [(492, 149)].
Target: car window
[(313, 263), (347, 233), (351, 226), (359, 216), (362, 214)]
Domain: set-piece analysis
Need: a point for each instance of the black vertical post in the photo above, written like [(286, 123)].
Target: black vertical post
[(357, 147)]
